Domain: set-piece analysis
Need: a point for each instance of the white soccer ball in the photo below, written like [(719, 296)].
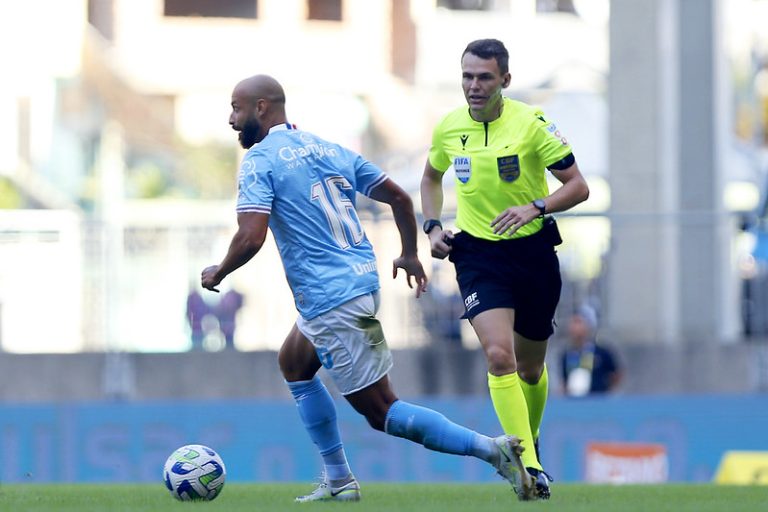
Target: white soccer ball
[(194, 473)]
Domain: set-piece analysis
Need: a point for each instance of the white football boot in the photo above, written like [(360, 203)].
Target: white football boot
[(336, 490), (510, 467)]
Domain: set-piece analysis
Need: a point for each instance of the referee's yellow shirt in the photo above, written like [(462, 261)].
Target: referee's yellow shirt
[(497, 164)]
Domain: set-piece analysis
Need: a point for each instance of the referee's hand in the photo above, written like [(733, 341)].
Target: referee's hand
[(513, 218), (440, 242)]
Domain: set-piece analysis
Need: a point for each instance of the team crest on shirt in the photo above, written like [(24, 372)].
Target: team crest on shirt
[(509, 167), (462, 166)]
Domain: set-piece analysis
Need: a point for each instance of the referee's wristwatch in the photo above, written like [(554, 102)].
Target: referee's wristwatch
[(541, 205), (430, 224)]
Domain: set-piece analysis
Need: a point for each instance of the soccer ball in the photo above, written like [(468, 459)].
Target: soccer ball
[(194, 473)]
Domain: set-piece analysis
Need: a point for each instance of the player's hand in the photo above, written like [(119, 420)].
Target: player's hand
[(513, 218), (413, 268), (208, 278), (440, 242)]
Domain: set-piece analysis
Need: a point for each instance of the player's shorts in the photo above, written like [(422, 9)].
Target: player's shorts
[(521, 274), (350, 343)]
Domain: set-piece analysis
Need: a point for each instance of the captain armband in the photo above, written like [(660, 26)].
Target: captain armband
[(563, 164)]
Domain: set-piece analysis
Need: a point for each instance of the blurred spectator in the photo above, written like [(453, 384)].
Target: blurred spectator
[(587, 368), (226, 312), (197, 309), (443, 357), (442, 312)]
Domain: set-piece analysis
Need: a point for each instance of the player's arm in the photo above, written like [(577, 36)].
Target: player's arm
[(432, 207), (398, 199), (247, 241)]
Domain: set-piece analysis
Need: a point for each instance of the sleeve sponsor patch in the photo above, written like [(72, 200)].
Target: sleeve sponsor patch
[(552, 128)]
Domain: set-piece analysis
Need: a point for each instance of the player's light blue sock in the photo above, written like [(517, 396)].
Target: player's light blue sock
[(318, 413), (436, 432)]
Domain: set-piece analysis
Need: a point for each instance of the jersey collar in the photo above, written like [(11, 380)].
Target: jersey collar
[(281, 127)]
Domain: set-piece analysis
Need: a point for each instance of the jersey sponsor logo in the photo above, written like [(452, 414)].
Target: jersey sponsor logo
[(314, 150), (464, 139), (462, 166), (364, 268), (471, 301), (509, 167)]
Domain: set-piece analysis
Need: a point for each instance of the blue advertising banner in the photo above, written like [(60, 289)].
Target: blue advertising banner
[(265, 441)]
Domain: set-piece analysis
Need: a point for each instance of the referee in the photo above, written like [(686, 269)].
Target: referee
[(506, 265)]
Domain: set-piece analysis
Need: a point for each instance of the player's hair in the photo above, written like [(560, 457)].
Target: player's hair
[(490, 49)]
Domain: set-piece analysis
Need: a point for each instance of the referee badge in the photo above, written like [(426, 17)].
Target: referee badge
[(509, 167), (462, 166)]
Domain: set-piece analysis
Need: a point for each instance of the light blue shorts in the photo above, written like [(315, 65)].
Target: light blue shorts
[(350, 343)]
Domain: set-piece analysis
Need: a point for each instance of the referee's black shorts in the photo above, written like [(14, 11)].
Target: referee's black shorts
[(521, 274)]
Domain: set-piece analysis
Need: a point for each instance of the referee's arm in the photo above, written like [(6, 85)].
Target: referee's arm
[(432, 207), (431, 192), (573, 191)]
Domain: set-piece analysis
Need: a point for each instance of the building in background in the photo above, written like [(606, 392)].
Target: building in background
[(117, 137)]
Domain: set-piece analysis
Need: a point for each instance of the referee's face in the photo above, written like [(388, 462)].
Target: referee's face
[(482, 83)]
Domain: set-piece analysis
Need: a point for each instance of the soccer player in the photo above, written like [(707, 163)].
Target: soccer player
[(303, 188), (506, 266)]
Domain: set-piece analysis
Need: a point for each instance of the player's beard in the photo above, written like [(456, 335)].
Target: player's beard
[(250, 134)]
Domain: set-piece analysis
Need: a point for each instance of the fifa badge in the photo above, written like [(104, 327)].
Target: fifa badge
[(462, 166)]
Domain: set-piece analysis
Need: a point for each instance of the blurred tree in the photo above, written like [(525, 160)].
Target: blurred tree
[(193, 172), (9, 196), (206, 172), (147, 181)]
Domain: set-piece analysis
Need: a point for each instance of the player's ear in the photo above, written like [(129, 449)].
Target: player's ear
[(261, 106), (507, 79)]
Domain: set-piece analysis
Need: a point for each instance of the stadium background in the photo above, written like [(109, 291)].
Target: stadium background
[(117, 187)]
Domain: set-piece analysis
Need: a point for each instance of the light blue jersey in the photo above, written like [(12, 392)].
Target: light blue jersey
[(308, 187)]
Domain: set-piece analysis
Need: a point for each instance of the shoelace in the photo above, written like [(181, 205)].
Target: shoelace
[(321, 484)]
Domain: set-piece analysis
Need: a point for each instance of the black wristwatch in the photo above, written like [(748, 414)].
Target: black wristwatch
[(430, 224), (541, 205)]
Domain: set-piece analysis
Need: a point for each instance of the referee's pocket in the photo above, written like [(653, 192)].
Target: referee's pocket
[(457, 244), (551, 232)]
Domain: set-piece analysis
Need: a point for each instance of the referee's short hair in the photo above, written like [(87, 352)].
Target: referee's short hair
[(490, 49)]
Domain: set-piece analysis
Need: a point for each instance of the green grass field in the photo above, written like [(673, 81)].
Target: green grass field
[(388, 497)]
